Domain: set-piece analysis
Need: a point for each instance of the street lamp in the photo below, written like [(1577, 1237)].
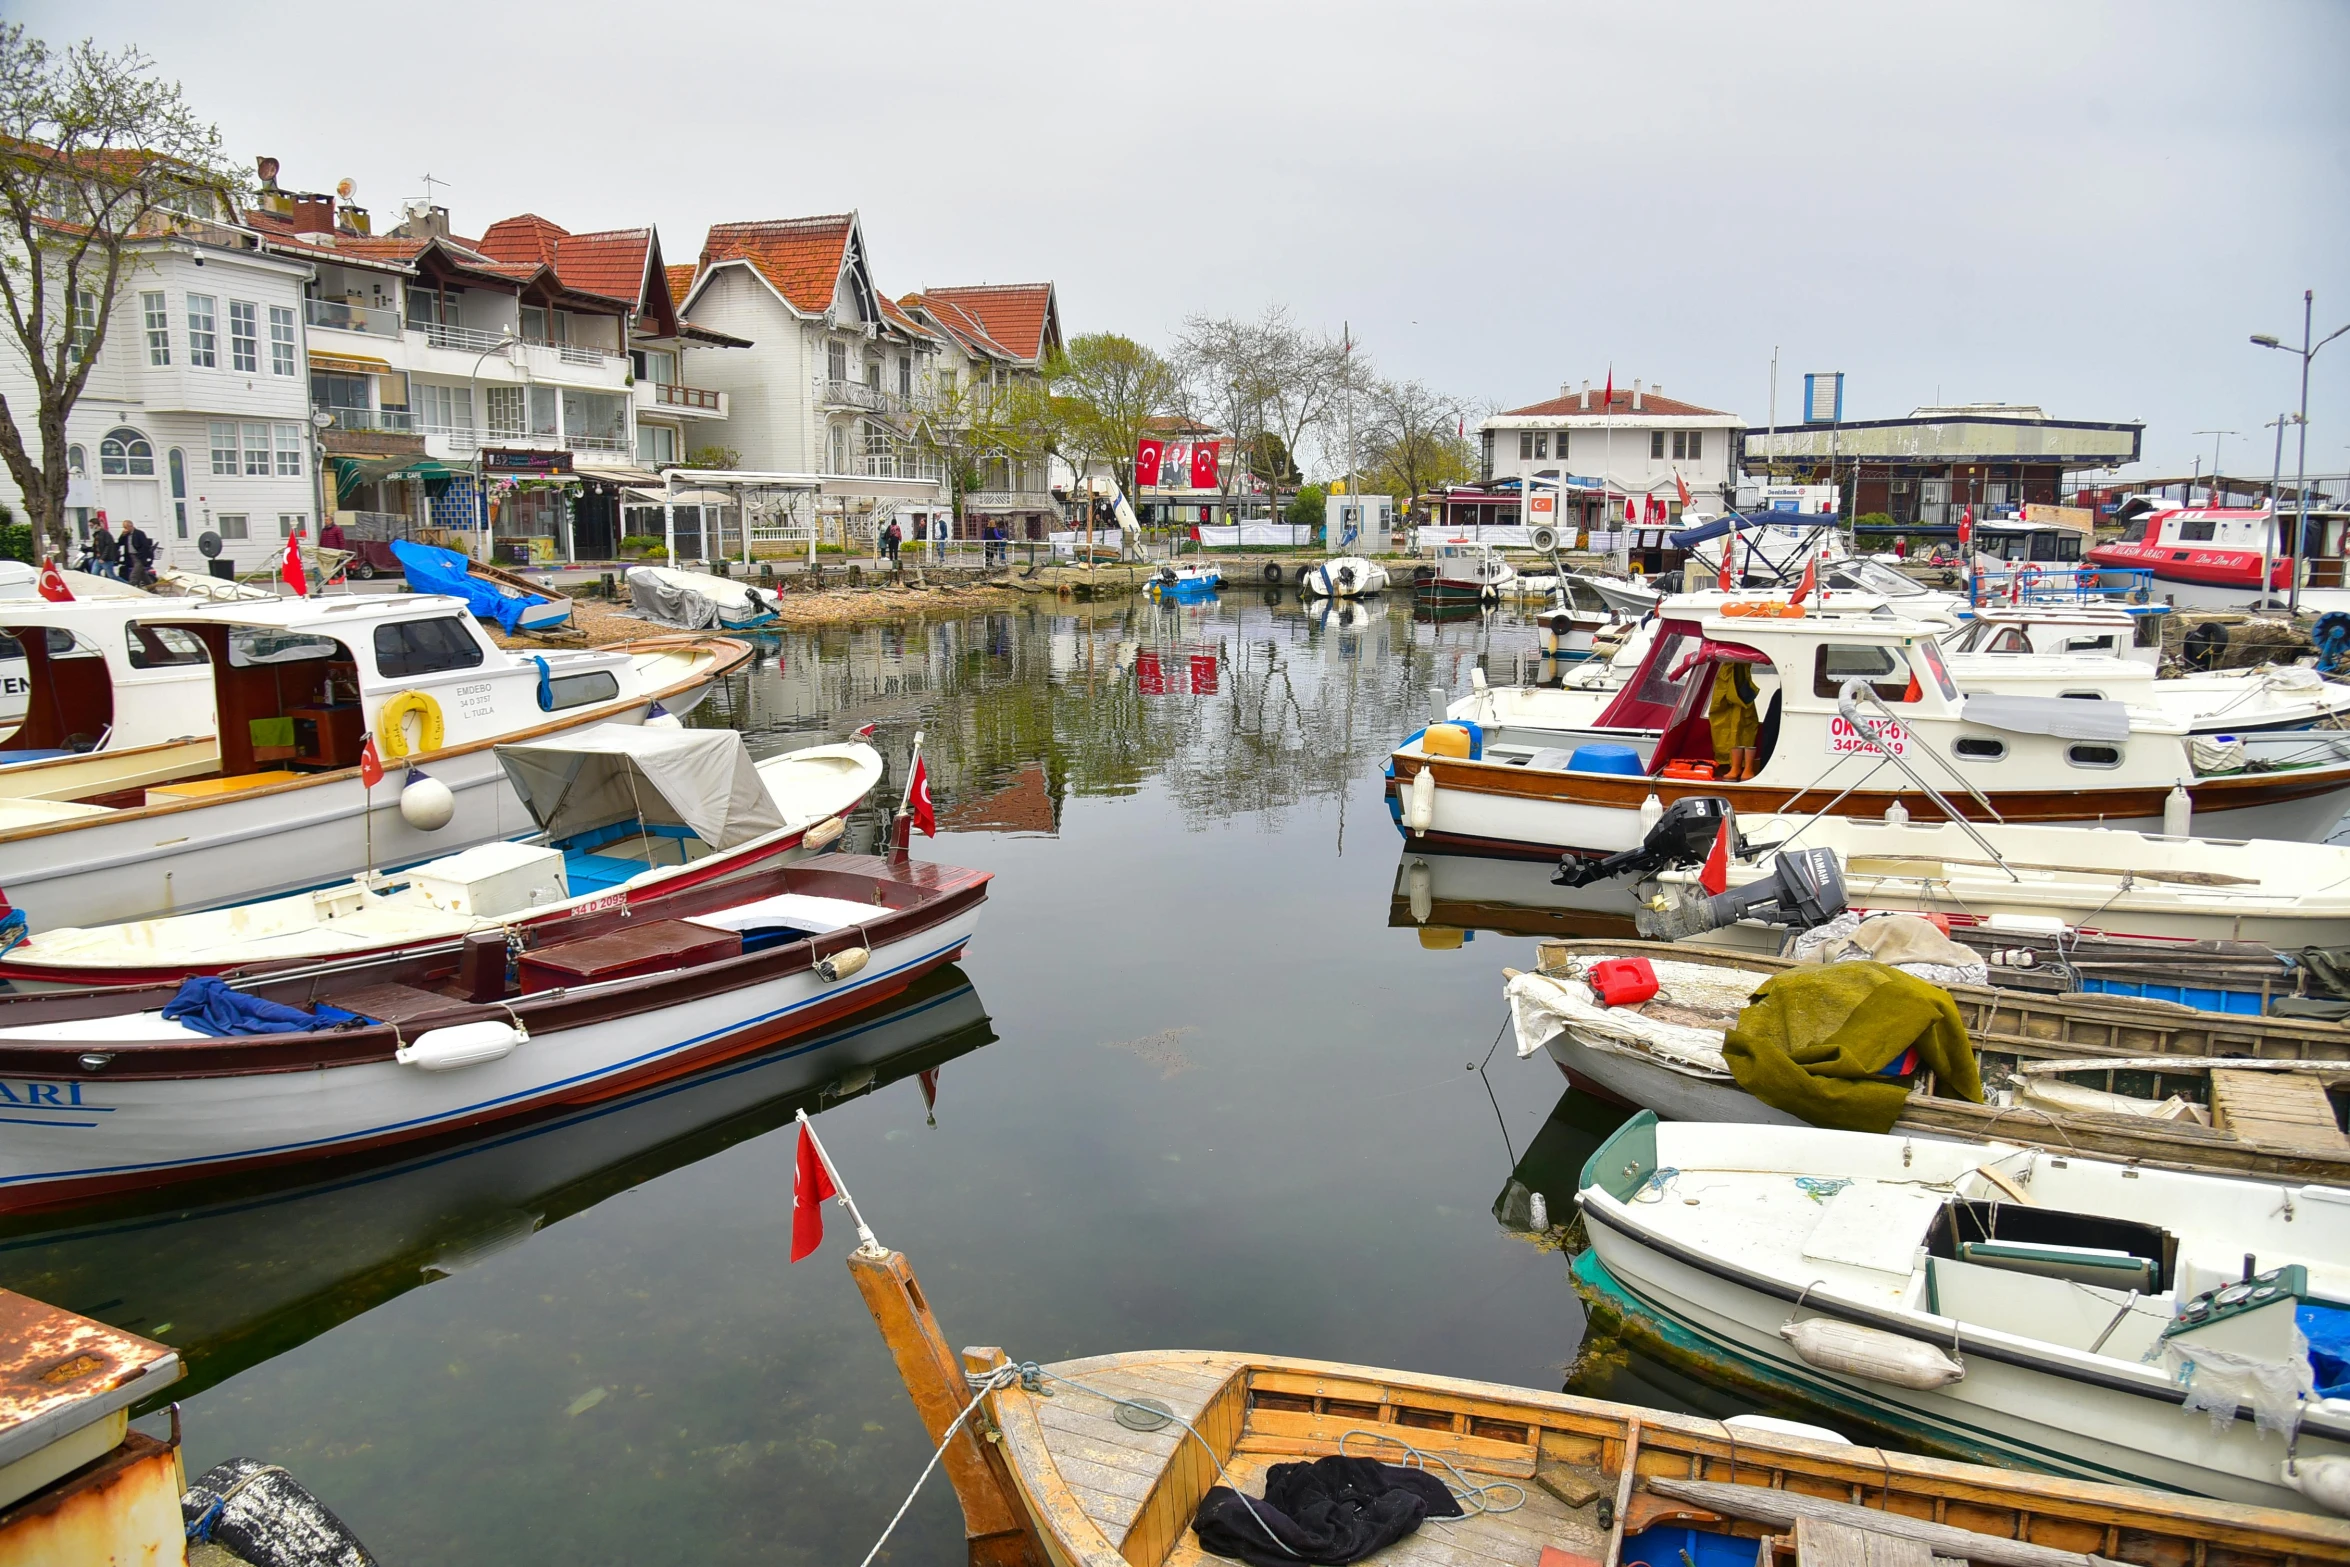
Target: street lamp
[(2307, 351), (507, 338)]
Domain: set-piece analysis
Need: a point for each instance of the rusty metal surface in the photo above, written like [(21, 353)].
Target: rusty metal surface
[(125, 1508), (59, 1371)]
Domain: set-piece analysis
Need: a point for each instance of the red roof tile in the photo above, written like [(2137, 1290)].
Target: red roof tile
[(1650, 403), (898, 318), (1014, 314), (800, 257), (959, 324), (610, 264), (526, 238), (681, 281)]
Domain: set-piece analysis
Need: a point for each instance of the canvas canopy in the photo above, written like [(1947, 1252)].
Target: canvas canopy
[(2064, 717), (699, 779)]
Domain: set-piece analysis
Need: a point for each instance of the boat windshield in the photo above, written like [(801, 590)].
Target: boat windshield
[(250, 645), (1872, 576)]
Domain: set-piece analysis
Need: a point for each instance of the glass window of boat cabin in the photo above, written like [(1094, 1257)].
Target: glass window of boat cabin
[(268, 679), (2030, 542), (55, 693), (1883, 667)]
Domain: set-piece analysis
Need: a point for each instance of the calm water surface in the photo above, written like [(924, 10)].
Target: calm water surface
[(1202, 1081)]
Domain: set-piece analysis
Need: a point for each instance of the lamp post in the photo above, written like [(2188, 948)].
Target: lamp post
[(2268, 535), (2307, 351), (506, 339), (2217, 436)]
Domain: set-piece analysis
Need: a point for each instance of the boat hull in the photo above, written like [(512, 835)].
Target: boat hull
[(1643, 1085)]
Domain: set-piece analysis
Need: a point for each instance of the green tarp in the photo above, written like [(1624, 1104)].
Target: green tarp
[(352, 472), (1813, 1038)]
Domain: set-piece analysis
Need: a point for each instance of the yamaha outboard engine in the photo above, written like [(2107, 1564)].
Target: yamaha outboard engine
[(1684, 835), (1805, 888)]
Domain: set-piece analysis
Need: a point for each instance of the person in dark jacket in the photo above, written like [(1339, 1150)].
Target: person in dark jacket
[(137, 552), (104, 552)]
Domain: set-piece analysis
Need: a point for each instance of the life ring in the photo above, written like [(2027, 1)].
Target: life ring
[(2088, 577), (391, 733), (2028, 577), (1773, 609)]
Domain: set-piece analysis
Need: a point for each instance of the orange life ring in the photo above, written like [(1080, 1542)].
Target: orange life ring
[(1771, 609)]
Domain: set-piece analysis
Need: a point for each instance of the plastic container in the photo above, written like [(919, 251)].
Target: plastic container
[(1446, 740), (1622, 982), (1619, 760)]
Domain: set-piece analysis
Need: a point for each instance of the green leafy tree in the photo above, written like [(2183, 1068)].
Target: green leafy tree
[(1305, 507), (721, 457), (1109, 388)]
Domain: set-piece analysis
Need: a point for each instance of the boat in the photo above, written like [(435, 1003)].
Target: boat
[(1848, 698), (626, 814), (1572, 617), (1463, 570), (85, 676), (2053, 1067), (416, 1044), (1108, 1461), (511, 602), (1185, 579), (696, 600), (1998, 1303), (1343, 577), (2201, 557), (85, 841)]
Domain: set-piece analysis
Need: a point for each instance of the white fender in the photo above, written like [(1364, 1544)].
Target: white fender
[(1419, 809), (1423, 894), (2325, 1481), (1872, 1353), (843, 963), (465, 1044), (426, 804), (824, 834)]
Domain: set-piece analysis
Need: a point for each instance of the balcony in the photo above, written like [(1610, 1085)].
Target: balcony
[(686, 402), (341, 317), (608, 445), (1011, 500), (855, 394), (395, 421), (464, 339)]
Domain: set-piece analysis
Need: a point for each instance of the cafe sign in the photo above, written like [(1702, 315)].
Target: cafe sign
[(499, 459)]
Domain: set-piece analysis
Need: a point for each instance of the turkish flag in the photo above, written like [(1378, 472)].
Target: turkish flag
[(290, 567), (1203, 674), (1729, 548), (924, 817), (52, 583), (1146, 463), (1715, 878), (1203, 465), (371, 765), (811, 1184), (1682, 485), (1150, 677), (1811, 580), (1607, 400)]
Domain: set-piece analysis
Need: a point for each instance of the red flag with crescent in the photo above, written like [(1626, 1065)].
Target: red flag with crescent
[(52, 583), (1715, 877), (1608, 398), (811, 1184), (1146, 463), (290, 566), (924, 817), (1203, 465), (1682, 485), (371, 764), (1811, 580), (1729, 547)]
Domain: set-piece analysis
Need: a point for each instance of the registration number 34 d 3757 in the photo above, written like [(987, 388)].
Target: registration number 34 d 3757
[(1845, 738), (472, 701)]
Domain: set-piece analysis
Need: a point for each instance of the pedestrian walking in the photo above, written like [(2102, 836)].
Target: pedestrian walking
[(891, 538), (105, 553), (137, 554)]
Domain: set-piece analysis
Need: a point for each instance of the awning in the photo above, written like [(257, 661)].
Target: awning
[(350, 364), (2064, 717), (351, 472), (615, 472), (701, 779), (686, 497)]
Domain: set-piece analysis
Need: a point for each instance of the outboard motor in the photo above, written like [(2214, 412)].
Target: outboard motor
[(1805, 889), (1683, 835)]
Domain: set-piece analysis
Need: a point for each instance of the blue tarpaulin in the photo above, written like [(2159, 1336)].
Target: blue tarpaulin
[(209, 1006), (2327, 1328), (433, 570)]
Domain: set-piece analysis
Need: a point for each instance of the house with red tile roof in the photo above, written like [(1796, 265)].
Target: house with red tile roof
[(1619, 451)]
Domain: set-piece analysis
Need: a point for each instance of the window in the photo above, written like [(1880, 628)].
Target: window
[(250, 645), (2195, 530), (77, 462), (1837, 662), (224, 447), (163, 647), (1978, 748), (256, 451), (157, 314), (1696, 445), (836, 361), (203, 332), (534, 324), (1525, 444), (178, 463), (444, 410), (244, 336), (332, 389), (288, 521), (2145, 631), (543, 402), (596, 416), (1680, 445), (126, 452), (1542, 443), (232, 526), (656, 445), (424, 647), (582, 690), (281, 340), (2093, 755), (83, 328), (905, 378), (289, 451), (946, 383), (504, 406), (1931, 653), (2011, 640), (1656, 443), (873, 374)]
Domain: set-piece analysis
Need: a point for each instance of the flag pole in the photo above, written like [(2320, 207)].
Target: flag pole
[(901, 832), (870, 1246)]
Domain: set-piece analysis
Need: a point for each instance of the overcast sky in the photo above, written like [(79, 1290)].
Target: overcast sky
[(2085, 206)]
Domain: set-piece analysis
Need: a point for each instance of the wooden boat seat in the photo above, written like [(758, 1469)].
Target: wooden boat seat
[(655, 946), (2276, 1107), (214, 788), (395, 1003)]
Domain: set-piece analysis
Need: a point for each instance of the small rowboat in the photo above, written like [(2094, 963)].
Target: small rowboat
[(1184, 580), (696, 600), (1105, 1461), (514, 603)]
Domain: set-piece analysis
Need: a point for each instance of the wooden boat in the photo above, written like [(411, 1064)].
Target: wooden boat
[(1104, 1461), (83, 841), (1678, 1071), (84, 677), (1461, 570), (2090, 1318), (1849, 690), (1343, 577), (626, 814), (695, 600), (116, 1096)]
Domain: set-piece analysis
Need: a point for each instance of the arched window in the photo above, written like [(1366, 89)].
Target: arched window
[(126, 451), (77, 462)]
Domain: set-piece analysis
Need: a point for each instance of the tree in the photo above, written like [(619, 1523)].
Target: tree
[(1306, 506), (720, 457), (1415, 441), (100, 162), (1111, 387)]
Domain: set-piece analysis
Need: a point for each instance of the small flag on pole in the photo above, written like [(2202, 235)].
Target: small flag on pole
[(371, 763), (52, 583), (811, 1184), (1811, 580), (289, 567), (863, 732), (1729, 545), (1715, 878), (924, 817)]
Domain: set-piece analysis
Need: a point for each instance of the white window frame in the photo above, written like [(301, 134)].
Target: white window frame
[(282, 357), (224, 456), (82, 329), (244, 336), (155, 311), (204, 331), (289, 451), (288, 521), (234, 525), (254, 438)]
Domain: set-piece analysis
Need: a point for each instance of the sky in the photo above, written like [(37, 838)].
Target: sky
[(2085, 206)]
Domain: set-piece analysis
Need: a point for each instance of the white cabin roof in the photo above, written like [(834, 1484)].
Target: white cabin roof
[(320, 617)]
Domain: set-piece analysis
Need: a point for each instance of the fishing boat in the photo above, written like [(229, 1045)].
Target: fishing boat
[(626, 815), (1463, 571), (2094, 1319), (2106, 1077), (696, 600), (2203, 557), (380, 1052), (1571, 618), (84, 840), (1343, 577), (1113, 1460), (1185, 580), (511, 602), (1846, 699), (85, 676)]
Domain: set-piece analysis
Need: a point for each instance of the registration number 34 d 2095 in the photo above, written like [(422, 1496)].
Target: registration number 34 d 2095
[(1846, 738)]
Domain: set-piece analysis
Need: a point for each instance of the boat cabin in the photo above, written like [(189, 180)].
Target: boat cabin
[(85, 675), (2134, 634)]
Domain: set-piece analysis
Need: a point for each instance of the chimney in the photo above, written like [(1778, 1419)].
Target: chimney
[(312, 211), (1635, 394), (1566, 389), (1658, 388), (1586, 400), (423, 221)]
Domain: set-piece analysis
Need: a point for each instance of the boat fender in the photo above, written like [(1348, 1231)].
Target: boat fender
[(391, 730), (843, 963), (1420, 886), (659, 717), (258, 1513), (426, 803), (2178, 811), (2325, 1481), (1872, 1353), (824, 834), (1652, 811), (462, 1045), (1420, 812), (1273, 572), (1544, 538)]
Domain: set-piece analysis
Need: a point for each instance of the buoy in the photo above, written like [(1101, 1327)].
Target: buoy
[(425, 802), (1652, 810), (824, 834), (465, 1044), (1420, 811), (1538, 1213), (1441, 938), (1897, 814), (2325, 1481), (1419, 880), (842, 963), (1872, 1353), (660, 717), (2178, 811)]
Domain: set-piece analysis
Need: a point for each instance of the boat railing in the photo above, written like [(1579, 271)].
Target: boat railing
[(2060, 582)]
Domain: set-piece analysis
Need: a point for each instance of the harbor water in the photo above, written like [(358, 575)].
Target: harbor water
[(1203, 1081)]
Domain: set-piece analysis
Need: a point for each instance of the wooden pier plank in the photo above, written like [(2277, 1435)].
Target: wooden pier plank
[(2276, 1107)]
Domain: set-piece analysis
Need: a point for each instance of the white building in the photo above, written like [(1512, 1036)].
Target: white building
[(1625, 452)]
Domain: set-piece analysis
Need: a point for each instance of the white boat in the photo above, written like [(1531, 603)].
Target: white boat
[(1343, 577), (282, 808), (1573, 615), (696, 600), (1463, 569), (134, 1099), (2105, 1321), (87, 677), (626, 814)]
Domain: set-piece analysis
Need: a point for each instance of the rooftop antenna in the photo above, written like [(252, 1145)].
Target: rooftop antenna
[(429, 182)]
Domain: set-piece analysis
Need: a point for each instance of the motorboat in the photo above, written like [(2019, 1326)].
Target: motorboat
[(2097, 1319), (697, 600), (2201, 557), (1463, 571), (1343, 577), (142, 1086), (626, 814), (89, 840), (1185, 579), (2131, 631), (1572, 618), (1500, 790), (85, 676), (495, 595)]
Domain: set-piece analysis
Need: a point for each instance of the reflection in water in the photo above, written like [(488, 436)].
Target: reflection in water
[(1553, 1162), (241, 1276), (1511, 897)]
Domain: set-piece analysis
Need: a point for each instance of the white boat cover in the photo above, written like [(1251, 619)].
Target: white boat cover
[(700, 779), (2066, 718)]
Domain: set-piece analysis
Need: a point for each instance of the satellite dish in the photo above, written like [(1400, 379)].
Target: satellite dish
[(347, 188), (208, 544)]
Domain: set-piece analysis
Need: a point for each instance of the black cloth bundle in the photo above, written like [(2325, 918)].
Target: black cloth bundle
[(1329, 1512)]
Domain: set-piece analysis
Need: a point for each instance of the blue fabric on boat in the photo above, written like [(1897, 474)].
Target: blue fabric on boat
[(2328, 1330), (546, 683), (432, 570), (209, 1006)]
